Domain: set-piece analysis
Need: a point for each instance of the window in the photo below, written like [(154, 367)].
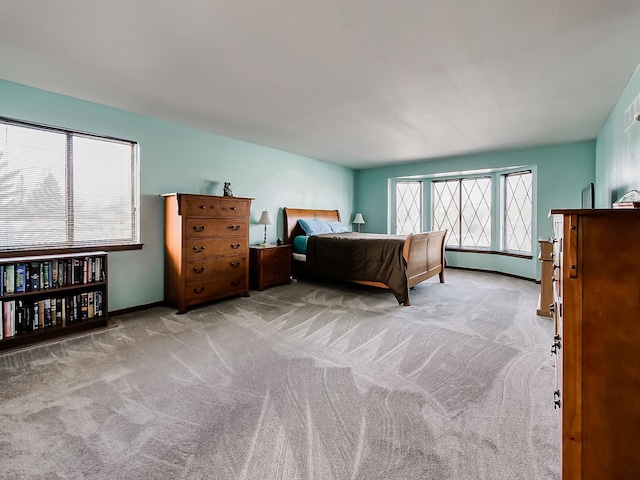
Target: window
[(408, 207), (463, 207), (60, 188), (518, 208)]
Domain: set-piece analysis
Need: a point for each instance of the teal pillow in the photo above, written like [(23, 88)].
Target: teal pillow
[(300, 244), (314, 226), (337, 227)]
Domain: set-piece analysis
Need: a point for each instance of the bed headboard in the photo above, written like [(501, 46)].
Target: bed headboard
[(292, 215)]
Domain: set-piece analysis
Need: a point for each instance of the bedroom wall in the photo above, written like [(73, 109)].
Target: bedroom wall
[(560, 173), (618, 148), (175, 158)]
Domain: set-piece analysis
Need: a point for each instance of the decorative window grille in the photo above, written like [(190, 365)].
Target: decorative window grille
[(463, 206), (518, 209), (408, 207)]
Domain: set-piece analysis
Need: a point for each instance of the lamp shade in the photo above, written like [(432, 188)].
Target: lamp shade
[(358, 218), (265, 218)]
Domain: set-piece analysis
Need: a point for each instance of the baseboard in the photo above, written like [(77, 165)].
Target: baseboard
[(137, 308), (519, 277)]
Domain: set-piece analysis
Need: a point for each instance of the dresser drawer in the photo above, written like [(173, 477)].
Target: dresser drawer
[(208, 247), (207, 267), (219, 227), (232, 208), (214, 288), (199, 206)]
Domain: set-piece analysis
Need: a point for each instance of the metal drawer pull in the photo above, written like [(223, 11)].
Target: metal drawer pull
[(199, 229), (555, 266), (198, 290), (234, 246), (198, 270), (233, 208), (556, 404), (552, 308), (234, 227), (203, 206), (235, 264), (555, 347), (201, 249), (556, 394)]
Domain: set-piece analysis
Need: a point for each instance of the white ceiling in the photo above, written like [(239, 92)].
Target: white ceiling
[(359, 83)]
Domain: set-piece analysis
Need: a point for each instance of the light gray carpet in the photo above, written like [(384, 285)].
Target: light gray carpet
[(304, 381)]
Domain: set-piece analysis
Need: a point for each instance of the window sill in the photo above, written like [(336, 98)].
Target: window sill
[(491, 252), (63, 250)]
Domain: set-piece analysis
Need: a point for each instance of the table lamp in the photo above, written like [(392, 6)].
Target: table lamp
[(265, 219), (358, 220)]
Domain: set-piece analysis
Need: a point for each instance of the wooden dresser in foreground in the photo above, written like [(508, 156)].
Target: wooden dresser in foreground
[(597, 342), (206, 254)]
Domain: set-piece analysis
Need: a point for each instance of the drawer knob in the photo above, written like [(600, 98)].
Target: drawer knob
[(233, 208), (198, 270), (201, 249), (198, 290), (199, 229), (233, 245), (235, 264), (234, 227), (203, 206)]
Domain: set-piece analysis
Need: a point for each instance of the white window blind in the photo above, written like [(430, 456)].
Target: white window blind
[(60, 188)]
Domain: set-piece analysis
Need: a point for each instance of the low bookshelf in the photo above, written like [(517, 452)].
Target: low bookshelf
[(49, 296)]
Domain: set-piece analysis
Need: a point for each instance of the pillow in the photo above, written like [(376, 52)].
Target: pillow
[(314, 226), (300, 244), (337, 227)]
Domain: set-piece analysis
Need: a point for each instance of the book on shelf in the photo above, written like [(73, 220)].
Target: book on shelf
[(20, 282), (90, 307), (9, 278), (1, 281), (33, 272)]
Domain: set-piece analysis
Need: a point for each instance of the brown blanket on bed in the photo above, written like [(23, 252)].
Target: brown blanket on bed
[(360, 256)]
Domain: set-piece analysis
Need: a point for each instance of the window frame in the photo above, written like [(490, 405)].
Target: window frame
[(91, 246), (503, 240), (420, 203), (497, 205)]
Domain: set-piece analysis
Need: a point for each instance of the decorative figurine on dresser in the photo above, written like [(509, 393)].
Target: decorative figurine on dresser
[(206, 248)]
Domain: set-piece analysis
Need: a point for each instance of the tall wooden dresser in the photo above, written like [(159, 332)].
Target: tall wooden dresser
[(206, 252), (597, 342)]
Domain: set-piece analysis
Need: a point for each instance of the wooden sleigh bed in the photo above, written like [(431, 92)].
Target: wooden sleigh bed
[(397, 263)]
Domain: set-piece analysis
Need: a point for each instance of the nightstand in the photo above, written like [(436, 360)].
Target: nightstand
[(269, 266)]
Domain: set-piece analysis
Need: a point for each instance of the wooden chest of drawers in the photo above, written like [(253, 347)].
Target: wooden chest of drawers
[(206, 248), (270, 265), (597, 342)]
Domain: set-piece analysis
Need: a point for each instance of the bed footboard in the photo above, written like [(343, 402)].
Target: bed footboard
[(424, 256)]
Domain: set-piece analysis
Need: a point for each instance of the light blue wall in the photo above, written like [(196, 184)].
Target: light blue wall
[(618, 149), (174, 158), (560, 171)]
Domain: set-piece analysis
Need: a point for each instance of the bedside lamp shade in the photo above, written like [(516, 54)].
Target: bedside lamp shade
[(265, 219), (358, 220)]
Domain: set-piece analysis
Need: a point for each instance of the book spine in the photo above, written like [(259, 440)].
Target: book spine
[(1, 280), (10, 278), (1, 320), (54, 274), (20, 282)]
